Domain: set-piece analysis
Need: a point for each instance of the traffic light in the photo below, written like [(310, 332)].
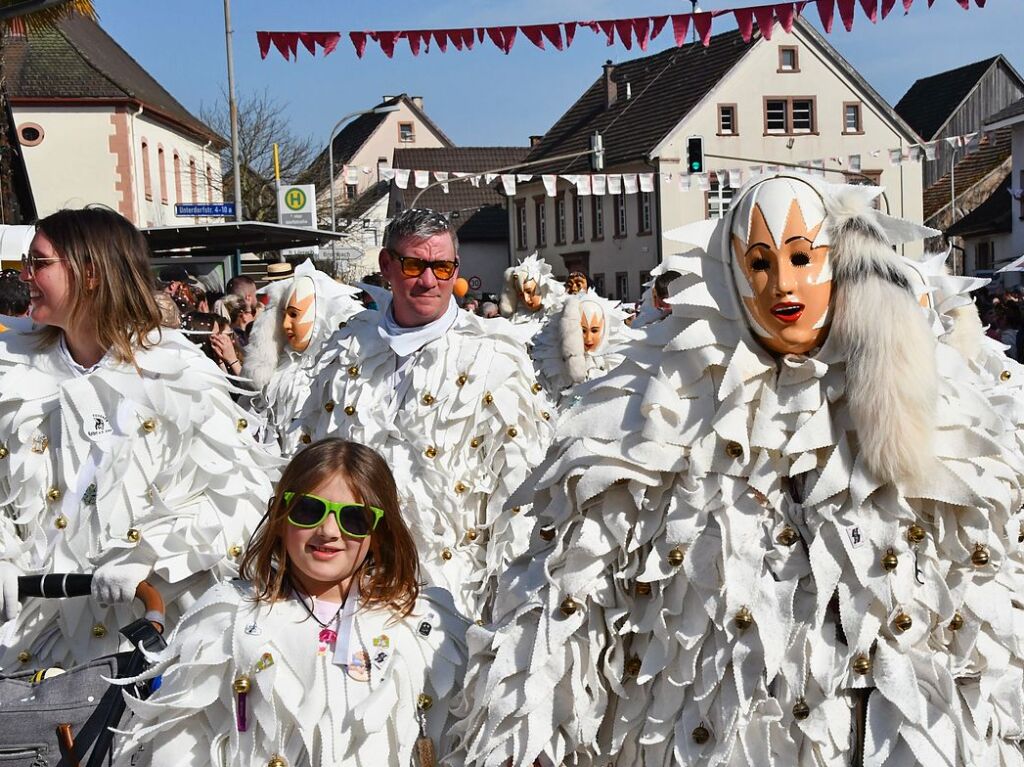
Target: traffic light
[(597, 152), (695, 154)]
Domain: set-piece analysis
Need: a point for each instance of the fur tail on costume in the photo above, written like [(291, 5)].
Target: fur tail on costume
[(889, 347), (509, 300), (572, 341), (266, 339)]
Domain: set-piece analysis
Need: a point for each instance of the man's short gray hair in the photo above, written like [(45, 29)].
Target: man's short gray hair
[(418, 224)]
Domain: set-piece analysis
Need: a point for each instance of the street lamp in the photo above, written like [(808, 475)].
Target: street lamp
[(384, 109)]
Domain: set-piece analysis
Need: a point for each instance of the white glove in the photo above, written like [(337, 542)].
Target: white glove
[(9, 604), (116, 582)]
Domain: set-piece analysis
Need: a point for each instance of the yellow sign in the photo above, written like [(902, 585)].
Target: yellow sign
[(295, 199)]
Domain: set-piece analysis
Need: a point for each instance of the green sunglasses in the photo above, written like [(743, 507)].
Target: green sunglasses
[(310, 510)]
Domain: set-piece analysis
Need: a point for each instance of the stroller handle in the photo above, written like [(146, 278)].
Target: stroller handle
[(60, 585)]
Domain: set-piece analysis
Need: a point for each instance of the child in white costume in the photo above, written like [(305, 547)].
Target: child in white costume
[(122, 451), (328, 654), (785, 531), (286, 341)]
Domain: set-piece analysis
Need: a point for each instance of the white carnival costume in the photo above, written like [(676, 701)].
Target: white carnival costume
[(530, 296), (456, 412), (750, 559), (281, 366), (387, 682), (151, 471), (561, 354)]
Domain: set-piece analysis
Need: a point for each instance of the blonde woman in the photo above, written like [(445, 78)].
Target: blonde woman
[(122, 451)]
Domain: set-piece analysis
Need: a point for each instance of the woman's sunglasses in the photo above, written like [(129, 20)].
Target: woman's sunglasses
[(414, 267), (307, 510)]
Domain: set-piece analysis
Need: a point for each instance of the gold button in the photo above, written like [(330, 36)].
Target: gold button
[(471, 534), (305, 439), (60, 522), (99, 631), (475, 442), (446, 554), (479, 621), (424, 702), (488, 398), (675, 557), (461, 380), (643, 589), (4, 452), (700, 735), (353, 371), (545, 415), (53, 493), (957, 622), (903, 621), (515, 509), (277, 761), (134, 535), (428, 399), (235, 551), (733, 449), (242, 424), (430, 452), (1005, 376), (461, 487), (241, 685), (787, 536), (569, 606), (890, 561), (743, 619), (801, 710), (862, 664), (149, 426), (329, 406), (536, 388), (512, 432), (349, 410), (979, 558), (24, 656)]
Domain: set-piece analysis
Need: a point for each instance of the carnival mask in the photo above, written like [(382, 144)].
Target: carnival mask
[(300, 314), (576, 283), (780, 260), (529, 292), (592, 325)]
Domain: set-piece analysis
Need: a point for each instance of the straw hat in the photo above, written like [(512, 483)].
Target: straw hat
[(279, 271)]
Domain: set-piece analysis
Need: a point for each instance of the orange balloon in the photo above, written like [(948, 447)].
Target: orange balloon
[(461, 287)]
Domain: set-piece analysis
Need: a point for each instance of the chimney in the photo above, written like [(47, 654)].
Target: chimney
[(611, 90), (535, 140), (418, 101)]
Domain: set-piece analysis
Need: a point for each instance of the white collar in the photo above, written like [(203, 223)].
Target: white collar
[(404, 341), (77, 369)]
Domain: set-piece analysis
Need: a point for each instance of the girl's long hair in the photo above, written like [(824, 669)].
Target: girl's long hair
[(390, 575), (118, 300)]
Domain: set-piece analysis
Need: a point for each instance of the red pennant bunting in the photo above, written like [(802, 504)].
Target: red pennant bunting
[(658, 23), (765, 17), (387, 41), (329, 41), (826, 9), (846, 8), (702, 23), (980, 3), (534, 35), (286, 42), (930, 3), (625, 29), (481, 33), (887, 6), (642, 29), (965, 4), (608, 27), (871, 9), (441, 38), (418, 39), (745, 22), (359, 42), (457, 36), (680, 24), (554, 35), (906, 5), (263, 40), (308, 40), (786, 14), (570, 32), (503, 37)]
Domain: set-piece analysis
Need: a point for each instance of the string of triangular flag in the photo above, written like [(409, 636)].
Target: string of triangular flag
[(639, 30)]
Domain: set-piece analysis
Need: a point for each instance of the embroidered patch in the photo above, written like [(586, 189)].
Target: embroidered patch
[(98, 426), (359, 666), (266, 661), (382, 642), (856, 537)]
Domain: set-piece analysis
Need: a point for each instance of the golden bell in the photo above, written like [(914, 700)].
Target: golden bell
[(488, 398), (241, 685), (242, 424), (512, 432), (471, 534), (4, 452), (428, 399), (479, 621), (915, 534), (979, 557), (60, 522), (329, 406), (430, 452), (903, 621), (787, 536), (133, 535), (536, 388), (353, 371), (305, 439), (801, 710), (53, 493), (733, 449), (149, 426), (675, 557), (277, 761), (633, 666), (461, 380), (890, 561), (424, 702), (235, 551), (957, 622), (643, 589), (700, 734), (24, 656), (515, 509), (1005, 376), (446, 554), (475, 442), (545, 415), (99, 631), (862, 664), (349, 410), (461, 487), (568, 606), (547, 533), (743, 619)]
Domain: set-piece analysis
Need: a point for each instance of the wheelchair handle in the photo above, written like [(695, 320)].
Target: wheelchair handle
[(61, 585)]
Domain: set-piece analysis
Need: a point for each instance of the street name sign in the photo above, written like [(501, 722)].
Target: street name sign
[(204, 209)]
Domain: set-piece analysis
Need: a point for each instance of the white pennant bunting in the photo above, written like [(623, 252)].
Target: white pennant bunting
[(854, 162), (422, 178), (522, 178), (351, 174), (703, 182), (736, 178), (599, 183), (629, 183), (684, 182), (954, 141), (387, 174), (646, 182), (402, 178), (583, 185), (614, 183), (929, 151), (489, 177), (894, 156), (509, 182), (442, 176), (550, 184)]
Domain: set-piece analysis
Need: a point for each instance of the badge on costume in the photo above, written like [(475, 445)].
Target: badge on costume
[(381, 654), (359, 666), (856, 537), (97, 425)]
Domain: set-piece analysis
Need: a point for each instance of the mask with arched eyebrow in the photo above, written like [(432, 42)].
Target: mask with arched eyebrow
[(300, 314), (780, 264)]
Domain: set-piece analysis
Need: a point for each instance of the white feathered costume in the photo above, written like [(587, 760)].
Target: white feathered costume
[(154, 467), (302, 706), (742, 559), (536, 271), (282, 376), (461, 422), (559, 355)]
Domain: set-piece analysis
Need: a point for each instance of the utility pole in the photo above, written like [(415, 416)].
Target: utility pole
[(233, 109)]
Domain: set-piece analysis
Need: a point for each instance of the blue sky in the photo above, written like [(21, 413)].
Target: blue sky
[(484, 97)]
